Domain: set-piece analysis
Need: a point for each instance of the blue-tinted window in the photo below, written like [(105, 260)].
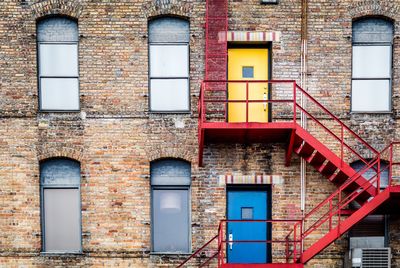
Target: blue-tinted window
[(248, 72)]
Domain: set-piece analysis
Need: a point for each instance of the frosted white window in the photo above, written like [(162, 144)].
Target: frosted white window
[(59, 93), (372, 65), (58, 60), (169, 65), (169, 60), (170, 184), (371, 61), (58, 64), (61, 212), (370, 95), (166, 94)]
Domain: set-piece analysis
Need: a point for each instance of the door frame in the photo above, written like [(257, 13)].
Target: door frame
[(253, 188), (246, 45)]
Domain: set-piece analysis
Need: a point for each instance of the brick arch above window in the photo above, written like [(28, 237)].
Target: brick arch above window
[(158, 8), (59, 151), (389, 9), (185, 154), (70, 8)]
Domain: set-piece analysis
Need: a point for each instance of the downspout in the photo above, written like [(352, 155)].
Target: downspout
[(303, 119), (303, 83)]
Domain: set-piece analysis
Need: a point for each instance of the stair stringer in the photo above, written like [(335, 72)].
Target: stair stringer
[(345, 225), (333, 158)]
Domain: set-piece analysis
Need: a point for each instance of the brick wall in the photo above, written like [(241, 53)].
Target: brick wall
[(115, 137)]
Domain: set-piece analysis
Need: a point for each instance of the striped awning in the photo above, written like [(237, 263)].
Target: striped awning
[(248, 36), (250, 179)]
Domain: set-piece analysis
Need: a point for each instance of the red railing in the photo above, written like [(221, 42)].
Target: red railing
[(328, 214), (289, 244), (202, 252), (288, 102)]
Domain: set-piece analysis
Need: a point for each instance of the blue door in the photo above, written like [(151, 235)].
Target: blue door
[(247, 205)]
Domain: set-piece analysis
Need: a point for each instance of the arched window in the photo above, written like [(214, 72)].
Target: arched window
[(58, 80), (372, 65), (169, 64), (60, 205), (370, 173), (170, 187)]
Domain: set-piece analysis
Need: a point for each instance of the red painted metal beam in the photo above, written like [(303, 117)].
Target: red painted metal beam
[(333, 158), (345, 225), (266, 265), (289, 149)]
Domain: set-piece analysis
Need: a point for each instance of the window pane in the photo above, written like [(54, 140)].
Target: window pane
[(169, 60), (169, 29), (62, 220), (60, 172), (374, 30), (170, 172), (59, 94), (58, 60), (171, 220), (370, 95), (169, 95), (57, 29), (371, 61)]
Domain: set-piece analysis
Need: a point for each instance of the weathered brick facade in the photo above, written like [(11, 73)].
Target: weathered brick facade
[(115, 137)]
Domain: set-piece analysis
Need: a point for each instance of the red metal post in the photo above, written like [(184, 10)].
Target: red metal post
[(226, 103), (342, 143), (294, 102), (378, 182), (301, 240), (390, 165), (330, 214), (294, 244), (247, 102)]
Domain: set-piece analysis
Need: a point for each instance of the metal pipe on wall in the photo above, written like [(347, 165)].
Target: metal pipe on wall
[(303, 83)]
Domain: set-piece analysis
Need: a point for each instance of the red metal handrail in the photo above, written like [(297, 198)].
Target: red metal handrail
[(296, 241), (334, 210), (222, 86)]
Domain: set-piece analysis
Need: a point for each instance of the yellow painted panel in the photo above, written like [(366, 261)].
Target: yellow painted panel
[(256, 59)]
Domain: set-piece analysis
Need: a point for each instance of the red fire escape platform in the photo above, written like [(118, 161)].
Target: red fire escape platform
[(268, 265), (247, 132)]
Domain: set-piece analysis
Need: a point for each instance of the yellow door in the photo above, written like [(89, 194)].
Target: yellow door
[(248, 64)]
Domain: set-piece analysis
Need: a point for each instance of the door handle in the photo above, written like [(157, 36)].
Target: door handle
[(230, 238)]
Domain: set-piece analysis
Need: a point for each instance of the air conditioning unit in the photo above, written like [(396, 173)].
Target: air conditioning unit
[(370, 257)]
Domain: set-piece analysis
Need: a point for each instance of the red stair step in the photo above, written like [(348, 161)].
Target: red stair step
[(316, 160), (338, 177), (327, 169), (305, 150)]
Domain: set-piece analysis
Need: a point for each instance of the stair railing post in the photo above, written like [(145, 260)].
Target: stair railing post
[(390, 165), (294, 102), (330, 214), (342, 143), (247, 102), (339, 211), (294, 244), (378, 182)]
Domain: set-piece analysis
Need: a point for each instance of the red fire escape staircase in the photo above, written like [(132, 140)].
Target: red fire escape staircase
[(327, 145), (328, 155)]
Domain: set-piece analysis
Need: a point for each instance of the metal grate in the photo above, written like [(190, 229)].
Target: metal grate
[(375, 258)]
